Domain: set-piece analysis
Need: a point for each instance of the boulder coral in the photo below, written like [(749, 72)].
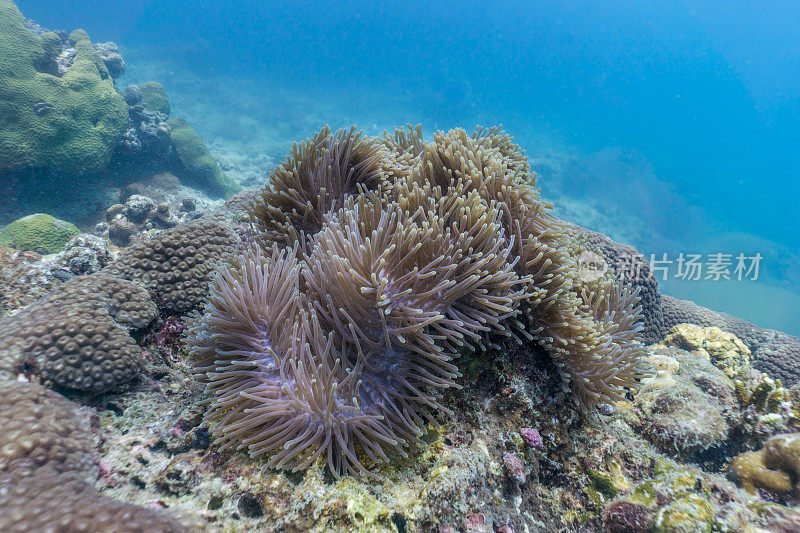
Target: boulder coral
[(78, 336), (38, 232), (177, 265), (52, 119), (376, 263), (196, 163)]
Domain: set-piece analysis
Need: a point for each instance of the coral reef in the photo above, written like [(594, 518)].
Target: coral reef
[(51, 118), (338, 336), (406, 335), (40, 233), (78, 336), (177, 265), (773, 352), (196, 163), (67, 134), (474, 471), (47, 453)]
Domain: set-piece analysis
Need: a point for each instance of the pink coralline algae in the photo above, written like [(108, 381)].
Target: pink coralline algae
[(514, 467), (531, 437)]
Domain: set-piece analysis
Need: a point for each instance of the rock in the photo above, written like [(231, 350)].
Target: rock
[(138, 208), (85, 254), (109, 53), (132, 95)]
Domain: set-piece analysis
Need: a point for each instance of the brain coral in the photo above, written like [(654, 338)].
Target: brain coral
[(377, 262), (78, 336), (780, 358), (176, 265), (38, 232), (68, 122)]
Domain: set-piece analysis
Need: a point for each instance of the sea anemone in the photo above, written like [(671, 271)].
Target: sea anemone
[(277, 383), (375, 263), (314, 181)]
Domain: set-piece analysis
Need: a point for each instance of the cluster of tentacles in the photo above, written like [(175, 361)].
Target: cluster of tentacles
[(375, 262)]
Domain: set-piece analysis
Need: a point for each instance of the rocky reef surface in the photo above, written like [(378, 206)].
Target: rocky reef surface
[(104, 415)]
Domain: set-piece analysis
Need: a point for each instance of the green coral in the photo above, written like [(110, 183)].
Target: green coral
[(201, 169), (38, 232), (154, 97), (69, 123)]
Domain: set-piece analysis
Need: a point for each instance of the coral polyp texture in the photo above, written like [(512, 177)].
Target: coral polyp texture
[(176, 265), (47, 453), (375, 264), (78, 336), (74, 505), (40, 428)]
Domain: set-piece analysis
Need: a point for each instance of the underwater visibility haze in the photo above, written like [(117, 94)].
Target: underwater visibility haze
[(419, 266)]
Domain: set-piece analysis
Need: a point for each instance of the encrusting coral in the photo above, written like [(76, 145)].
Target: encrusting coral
[(38, 232), (773, 352), (375, 263), (774, 468)]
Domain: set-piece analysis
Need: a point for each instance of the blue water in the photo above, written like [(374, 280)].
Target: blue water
[(673, 126)]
